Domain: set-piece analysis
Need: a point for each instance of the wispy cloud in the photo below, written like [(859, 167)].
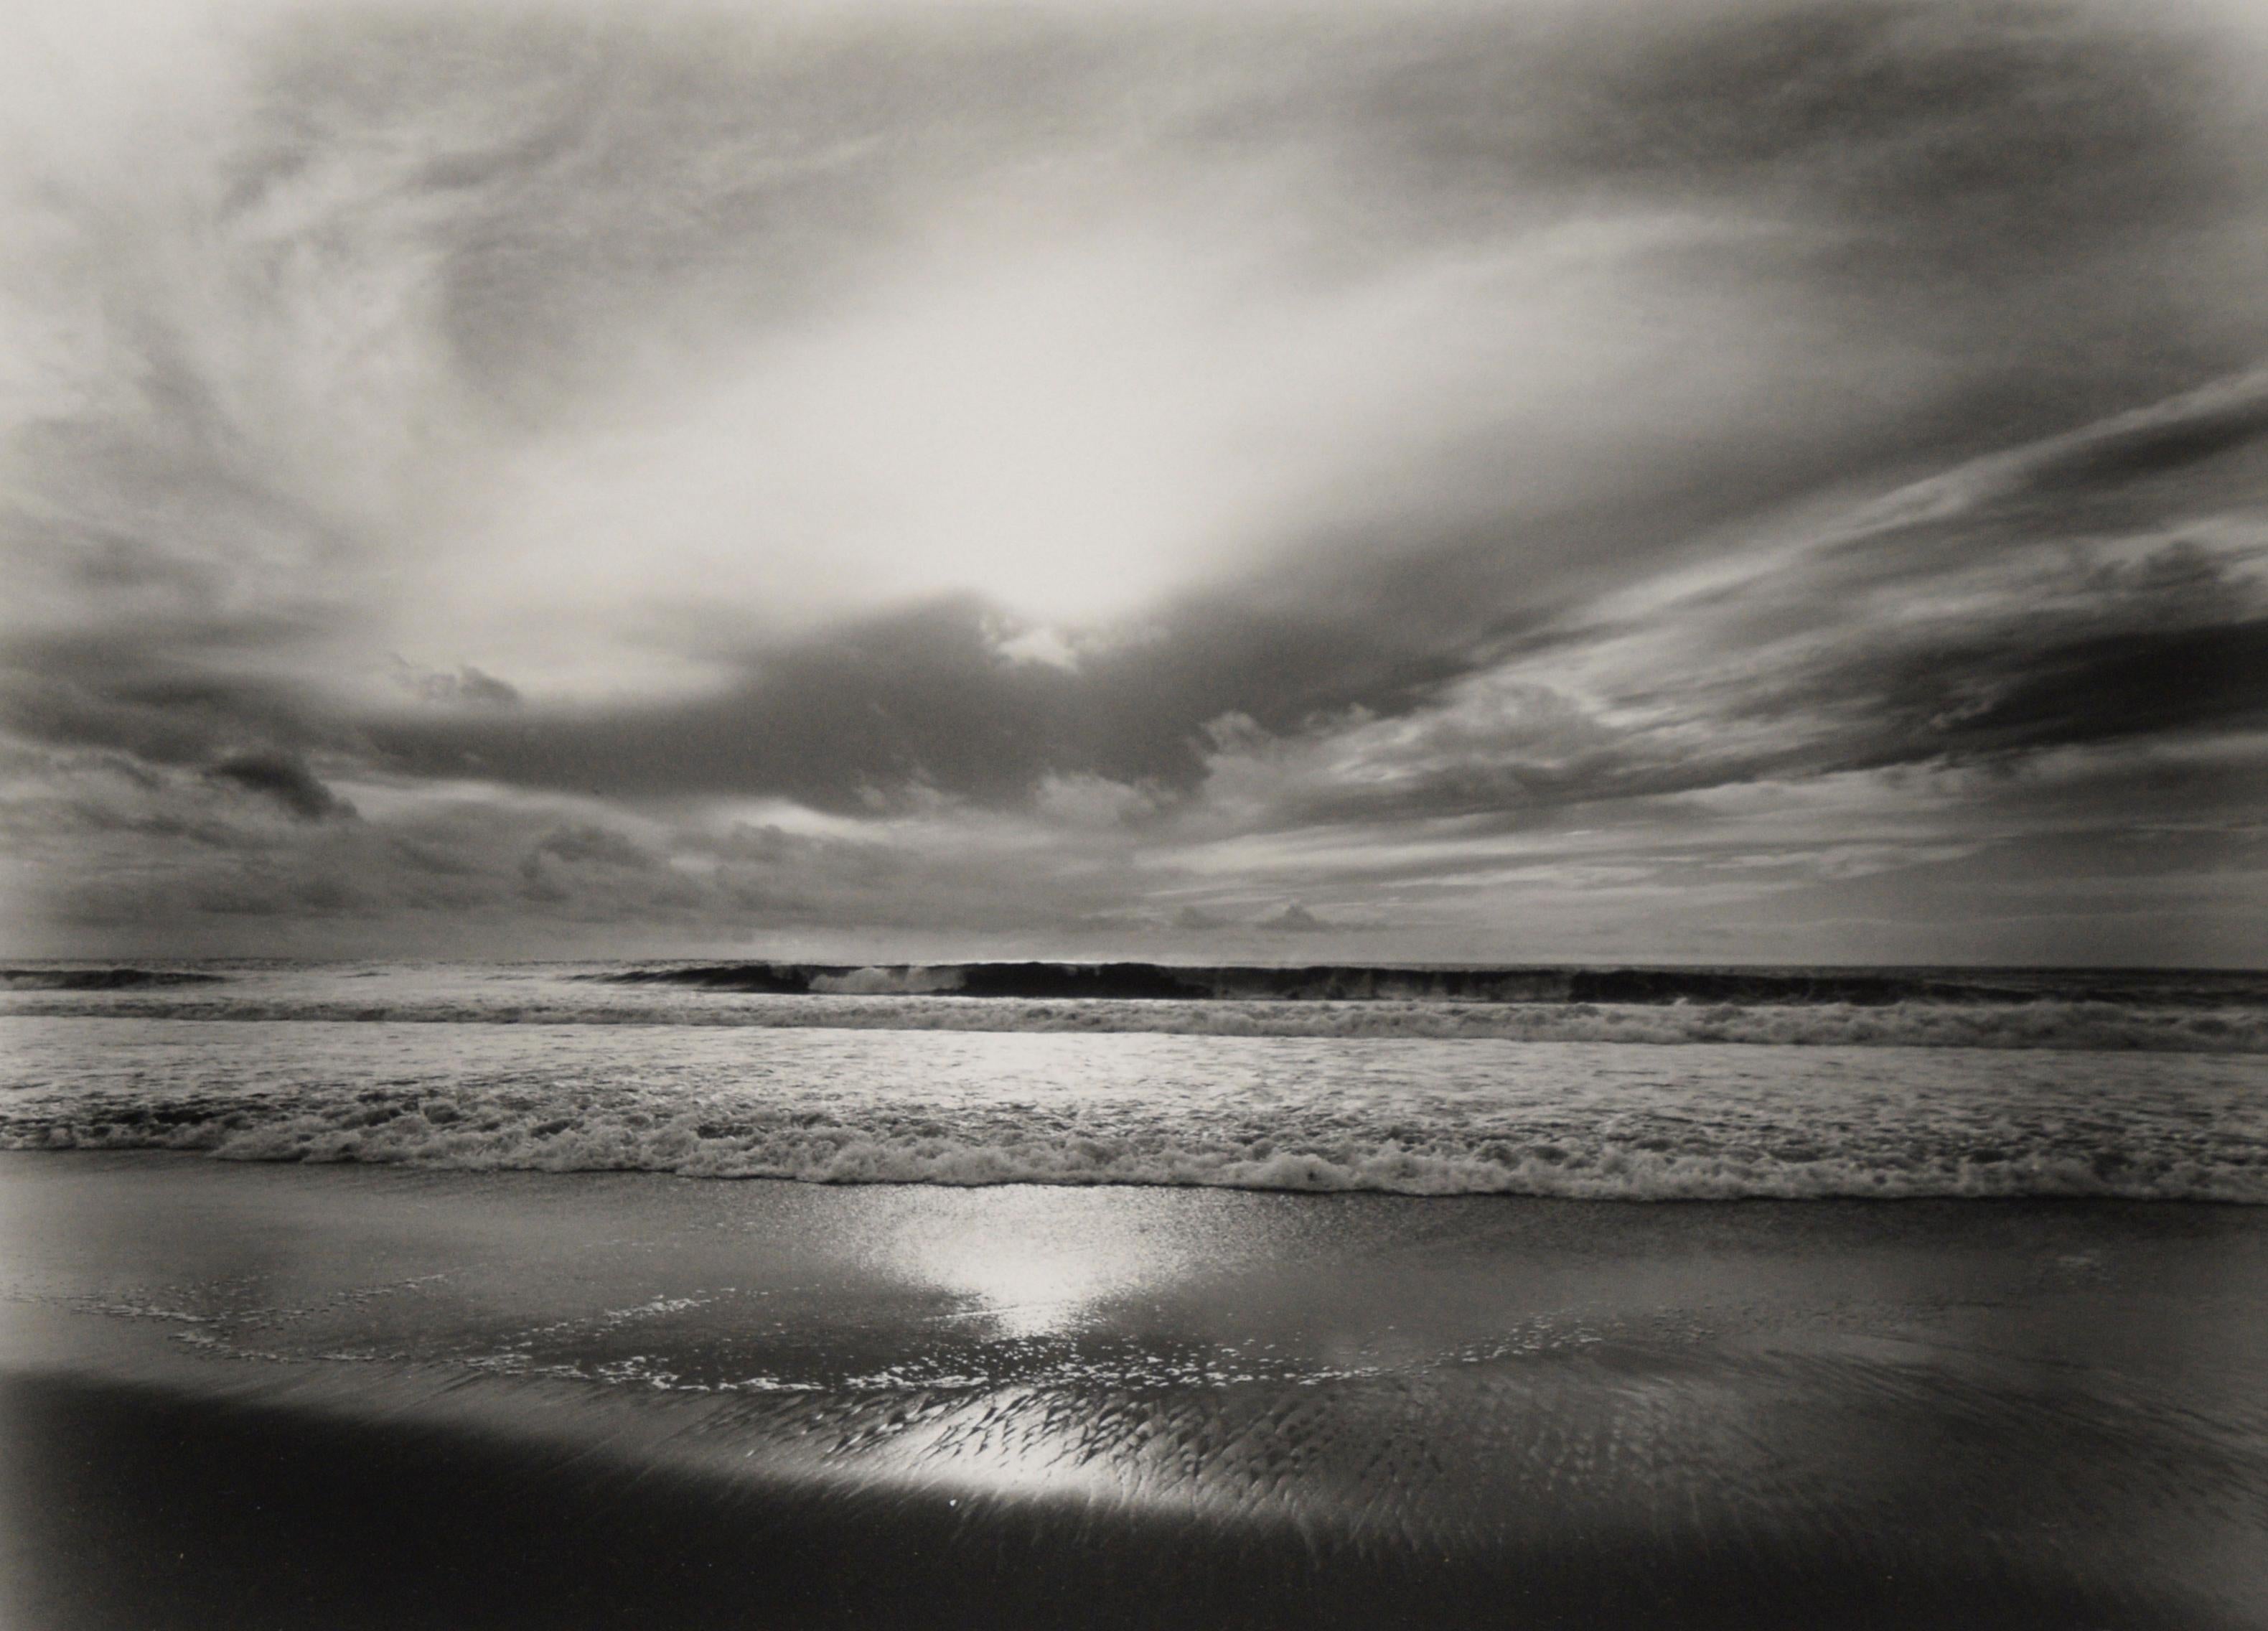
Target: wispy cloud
[(1529, 478)]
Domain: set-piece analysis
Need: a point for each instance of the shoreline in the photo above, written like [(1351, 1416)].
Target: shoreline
[(364, 1396), (1985, 1202)]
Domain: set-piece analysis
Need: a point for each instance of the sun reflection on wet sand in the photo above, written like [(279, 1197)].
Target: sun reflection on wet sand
[(1033, 1261), (1486, 1378)]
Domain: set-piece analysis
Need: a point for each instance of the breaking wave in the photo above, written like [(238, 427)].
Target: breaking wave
[(2160, 1011), (1404, 1117), (2157, 1012), (2089, 1026), (100, 980), (1367, 982), (474, 1132)]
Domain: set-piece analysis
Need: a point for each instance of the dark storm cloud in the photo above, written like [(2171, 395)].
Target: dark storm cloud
[(854, 717), (286, 780), (2147, 445), (2104, 585), (2100, 689), (916, 699), (1948, 701), (590, 846), (1819, 667), (105, 697), (857, 713)]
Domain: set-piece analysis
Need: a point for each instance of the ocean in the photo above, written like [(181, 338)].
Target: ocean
[(1622, 1084), (412, 1296)]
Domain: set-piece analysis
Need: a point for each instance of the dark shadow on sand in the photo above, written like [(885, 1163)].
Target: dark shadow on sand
[(129, 1507)]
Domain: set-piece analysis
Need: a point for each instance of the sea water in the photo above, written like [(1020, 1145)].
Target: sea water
[(1695, 1084), (1180, 1380)]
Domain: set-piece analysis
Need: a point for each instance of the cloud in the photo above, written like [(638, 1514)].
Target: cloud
[(2198, 445), (286, 780), (467, 687), (465, 304), (1294, 918), (590, 846), (1899, 632), (1509, 470)]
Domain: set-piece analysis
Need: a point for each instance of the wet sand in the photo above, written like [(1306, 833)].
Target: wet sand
[(264, 1395)]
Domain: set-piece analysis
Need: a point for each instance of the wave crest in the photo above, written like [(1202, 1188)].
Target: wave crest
[(1376, 983), (2102, 1027), (924, 1150), (101, 978)]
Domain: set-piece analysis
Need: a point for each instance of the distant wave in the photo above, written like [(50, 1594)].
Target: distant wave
[(1365, 983), (100, 980), (2042, 1023)]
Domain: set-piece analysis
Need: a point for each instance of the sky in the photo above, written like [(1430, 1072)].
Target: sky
[(1721, 482)]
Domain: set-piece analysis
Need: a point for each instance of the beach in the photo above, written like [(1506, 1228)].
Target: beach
[(1289, 817), (243, 1393)]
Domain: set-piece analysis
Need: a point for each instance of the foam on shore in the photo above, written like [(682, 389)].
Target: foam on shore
[(1402, 1116), (2045, 1024)]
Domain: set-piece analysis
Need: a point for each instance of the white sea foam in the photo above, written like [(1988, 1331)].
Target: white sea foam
[(870, 1000), (1404, 1115)]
